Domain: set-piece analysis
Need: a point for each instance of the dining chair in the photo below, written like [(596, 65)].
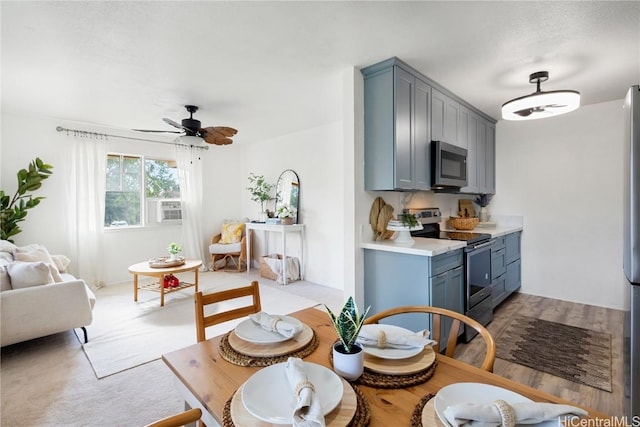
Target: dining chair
[(458, 321), (177, 420), (202, 300)]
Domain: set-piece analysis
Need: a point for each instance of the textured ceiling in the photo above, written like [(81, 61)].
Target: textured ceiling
[(272, 68)]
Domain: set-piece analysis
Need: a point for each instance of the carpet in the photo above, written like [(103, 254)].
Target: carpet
[(579, 355), (125, 334)]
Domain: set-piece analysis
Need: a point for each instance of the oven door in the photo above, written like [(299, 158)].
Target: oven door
[(477, 274)]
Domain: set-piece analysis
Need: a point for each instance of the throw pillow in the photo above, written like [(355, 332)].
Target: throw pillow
[(231, 232), (61, 262), (27, 274), (38, 254)]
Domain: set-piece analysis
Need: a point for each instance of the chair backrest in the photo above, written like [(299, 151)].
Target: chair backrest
[(177, 420), (458, 321), (202, 300)]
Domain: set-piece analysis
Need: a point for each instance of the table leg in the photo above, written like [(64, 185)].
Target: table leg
[(248, 233), (162, 291), (284, 257), (135, 287), (197, 273)]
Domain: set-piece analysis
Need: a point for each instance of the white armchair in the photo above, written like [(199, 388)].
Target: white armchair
[(228, 248)]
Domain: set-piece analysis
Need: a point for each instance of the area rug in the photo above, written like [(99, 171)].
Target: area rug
[(125, 334), (579, 355)]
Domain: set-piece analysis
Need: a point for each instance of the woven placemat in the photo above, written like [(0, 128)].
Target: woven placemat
[(361, 418), (229, 354), (416, 416), (375, 379)]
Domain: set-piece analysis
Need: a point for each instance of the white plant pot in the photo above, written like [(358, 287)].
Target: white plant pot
[(263, 217), (348, 366), (173, 257)]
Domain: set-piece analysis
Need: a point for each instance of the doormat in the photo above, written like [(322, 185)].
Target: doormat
[(575, 354)]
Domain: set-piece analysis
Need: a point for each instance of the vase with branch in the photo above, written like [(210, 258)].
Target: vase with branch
[(483, 200), (260, 191)]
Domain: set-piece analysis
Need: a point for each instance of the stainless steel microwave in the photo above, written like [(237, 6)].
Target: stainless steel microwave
[(448, 166)]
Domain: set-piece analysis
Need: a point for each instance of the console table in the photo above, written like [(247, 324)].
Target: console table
[(283, 230)]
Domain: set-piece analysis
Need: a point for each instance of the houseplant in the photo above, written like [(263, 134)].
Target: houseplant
[(260, 189), (174, 249), (14, 209), (286, 213), (348, 356), (483, 201)]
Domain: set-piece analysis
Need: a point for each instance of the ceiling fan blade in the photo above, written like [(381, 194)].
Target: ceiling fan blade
[(524, 113), (220, 131), (155, 131), (212, 138), (175, 124)]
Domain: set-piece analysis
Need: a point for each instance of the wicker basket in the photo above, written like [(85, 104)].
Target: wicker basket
[(293, 268), (463, 223)]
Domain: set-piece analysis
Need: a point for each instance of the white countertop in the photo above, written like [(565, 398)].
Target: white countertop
[(420, 246), (433, 247)]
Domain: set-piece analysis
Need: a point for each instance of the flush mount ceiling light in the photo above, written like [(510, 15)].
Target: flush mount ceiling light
[(539, 104)]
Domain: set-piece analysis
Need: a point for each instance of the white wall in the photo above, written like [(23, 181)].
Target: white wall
[(316, 156), (564, 175)]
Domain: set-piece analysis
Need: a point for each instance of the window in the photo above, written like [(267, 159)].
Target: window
[(140, 197)]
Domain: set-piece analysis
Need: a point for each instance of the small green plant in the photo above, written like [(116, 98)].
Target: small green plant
[(483, 200), (348, 323), (174, 248), (408, 220), (14, 209), (286, 211), (259, 189)]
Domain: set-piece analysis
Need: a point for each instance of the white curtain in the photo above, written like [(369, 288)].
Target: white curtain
[(85, 201), (190, 175)]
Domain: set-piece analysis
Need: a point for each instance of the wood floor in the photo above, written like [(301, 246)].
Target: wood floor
[(580, 315)]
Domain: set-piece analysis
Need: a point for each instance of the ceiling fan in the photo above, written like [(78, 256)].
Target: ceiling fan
[(218, 135)]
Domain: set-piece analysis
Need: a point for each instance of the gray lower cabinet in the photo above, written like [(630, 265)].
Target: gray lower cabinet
[(505, 266), (395, 279), (397, 109)]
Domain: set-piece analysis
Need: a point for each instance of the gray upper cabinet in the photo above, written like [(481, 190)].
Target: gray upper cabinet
[(480, 155), (397, 106), (403, 112), (445, 113)]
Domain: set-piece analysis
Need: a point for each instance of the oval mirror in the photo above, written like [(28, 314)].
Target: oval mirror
[(288, 191)]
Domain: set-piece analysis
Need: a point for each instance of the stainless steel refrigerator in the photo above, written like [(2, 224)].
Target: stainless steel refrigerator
[(631, 252)]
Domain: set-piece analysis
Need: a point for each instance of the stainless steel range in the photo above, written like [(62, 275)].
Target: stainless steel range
[(478, 302)]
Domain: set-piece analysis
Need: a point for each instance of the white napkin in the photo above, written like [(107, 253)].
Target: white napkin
[(276, 324), (474, 414), (308, 410), (369, 335)]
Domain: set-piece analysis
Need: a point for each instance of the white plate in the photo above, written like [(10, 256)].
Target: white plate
[(390, 353), (250, 331), (268, 396), (477, 393)]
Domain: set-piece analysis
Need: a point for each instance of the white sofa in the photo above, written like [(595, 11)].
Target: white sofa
[(37, 296)]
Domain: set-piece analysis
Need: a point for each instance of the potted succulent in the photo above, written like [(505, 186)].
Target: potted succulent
[(348, 356), (286, 213), (174, 249), (260, 190), (483, 201)]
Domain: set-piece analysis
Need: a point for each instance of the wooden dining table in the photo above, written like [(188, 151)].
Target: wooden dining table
[(207, 380)]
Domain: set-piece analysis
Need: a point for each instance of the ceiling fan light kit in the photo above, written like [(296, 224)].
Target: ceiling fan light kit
[(540, 104)]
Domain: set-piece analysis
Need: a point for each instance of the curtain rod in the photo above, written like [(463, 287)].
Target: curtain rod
[(98, 135)]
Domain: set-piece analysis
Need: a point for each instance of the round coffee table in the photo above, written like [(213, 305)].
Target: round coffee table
[(143, 268)]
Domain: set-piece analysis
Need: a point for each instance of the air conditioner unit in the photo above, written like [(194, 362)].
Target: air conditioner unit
[(169, 210)]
